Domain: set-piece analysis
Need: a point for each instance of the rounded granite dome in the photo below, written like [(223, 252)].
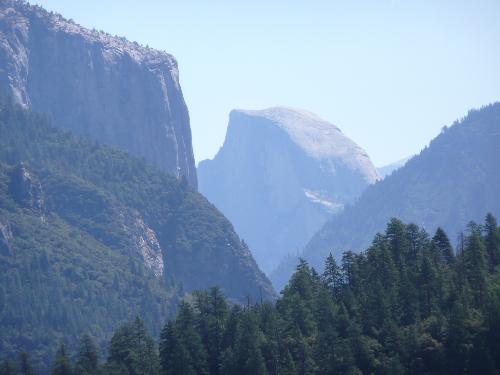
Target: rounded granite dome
[(318, 138)]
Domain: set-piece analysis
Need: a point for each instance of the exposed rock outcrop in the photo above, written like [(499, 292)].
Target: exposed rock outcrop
[(5, 239), (119, 203), (93, 84), (27, 190), (279, 175), (146, 243)]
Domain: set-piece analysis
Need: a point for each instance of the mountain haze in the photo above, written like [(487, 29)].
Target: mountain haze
[(89, 82), (386, 170), (279, 175), (453, 180)]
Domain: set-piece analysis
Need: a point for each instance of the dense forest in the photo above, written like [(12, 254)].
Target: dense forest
[(409, 304), (90, 237)]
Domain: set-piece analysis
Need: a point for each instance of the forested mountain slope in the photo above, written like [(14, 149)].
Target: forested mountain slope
[(406, 305), (90, 236), (453, 180)]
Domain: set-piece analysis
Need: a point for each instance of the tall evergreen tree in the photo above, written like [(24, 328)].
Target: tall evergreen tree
[(133, 348), (213, 311), (492, 241), (475, 267), (62, 365), (25, 364), (441, 247), (87, 362), (181, 348), (7, 368), (333, 275)]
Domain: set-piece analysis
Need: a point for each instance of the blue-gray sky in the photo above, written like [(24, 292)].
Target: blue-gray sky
[(389, 73)]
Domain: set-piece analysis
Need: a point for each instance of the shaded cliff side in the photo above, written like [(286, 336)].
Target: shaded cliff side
[(279, 175)]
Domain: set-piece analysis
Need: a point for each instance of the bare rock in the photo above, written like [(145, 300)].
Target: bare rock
[(279, 175), (5, 239), (27, 190), (146, 243), (95, 84)]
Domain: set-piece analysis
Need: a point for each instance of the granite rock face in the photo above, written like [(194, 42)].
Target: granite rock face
[(146, 243), (5, 239), (452, 181), (279, 175), (27, 190), (93, 84)]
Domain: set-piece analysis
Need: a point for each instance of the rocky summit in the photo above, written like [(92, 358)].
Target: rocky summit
[(280, 174), (97, 85)]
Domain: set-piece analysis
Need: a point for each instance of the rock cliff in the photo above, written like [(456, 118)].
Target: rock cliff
[(89, 229), (453, 180), (279, 175), (104, 87)]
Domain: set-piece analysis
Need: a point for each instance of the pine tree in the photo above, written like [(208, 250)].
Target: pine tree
[(25, 364), (87, 362), (441, 247), (428, 282), (213, 311), (333, 275), (474, 259), (248, 355), (7, 368), (62, 365), (133, 348), (492, 241), (181, 349)]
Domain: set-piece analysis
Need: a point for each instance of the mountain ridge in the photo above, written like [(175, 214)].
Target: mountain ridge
[(451, 181), (94, 84), (91, 236)]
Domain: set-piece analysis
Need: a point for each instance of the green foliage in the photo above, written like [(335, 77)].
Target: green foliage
[(69, 257), (62, 365), (181, 348), (401, 307), (87, 362), (133, 349), (453, 180), (406, 305), (25, 364)]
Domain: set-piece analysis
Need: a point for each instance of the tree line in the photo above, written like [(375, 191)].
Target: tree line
[(410, 304)]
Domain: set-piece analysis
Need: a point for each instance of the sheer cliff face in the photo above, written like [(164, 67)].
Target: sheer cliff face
[(280, 174), (453, 180), (104, 87)]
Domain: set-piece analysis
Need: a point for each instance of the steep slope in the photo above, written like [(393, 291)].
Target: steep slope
[(454, 180), (90, 236), (91, 83), (386, 170), (280, 173)]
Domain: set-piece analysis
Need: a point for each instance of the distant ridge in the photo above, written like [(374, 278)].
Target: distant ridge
[(386, 170), (453, 180)]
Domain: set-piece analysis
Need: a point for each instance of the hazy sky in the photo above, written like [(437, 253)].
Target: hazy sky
[(390, 74)]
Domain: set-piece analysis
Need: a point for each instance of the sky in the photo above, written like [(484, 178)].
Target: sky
[(389, 73)]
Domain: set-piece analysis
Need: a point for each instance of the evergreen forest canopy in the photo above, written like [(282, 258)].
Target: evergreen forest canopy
[(409, 304), (74, 216), (453, 180)]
